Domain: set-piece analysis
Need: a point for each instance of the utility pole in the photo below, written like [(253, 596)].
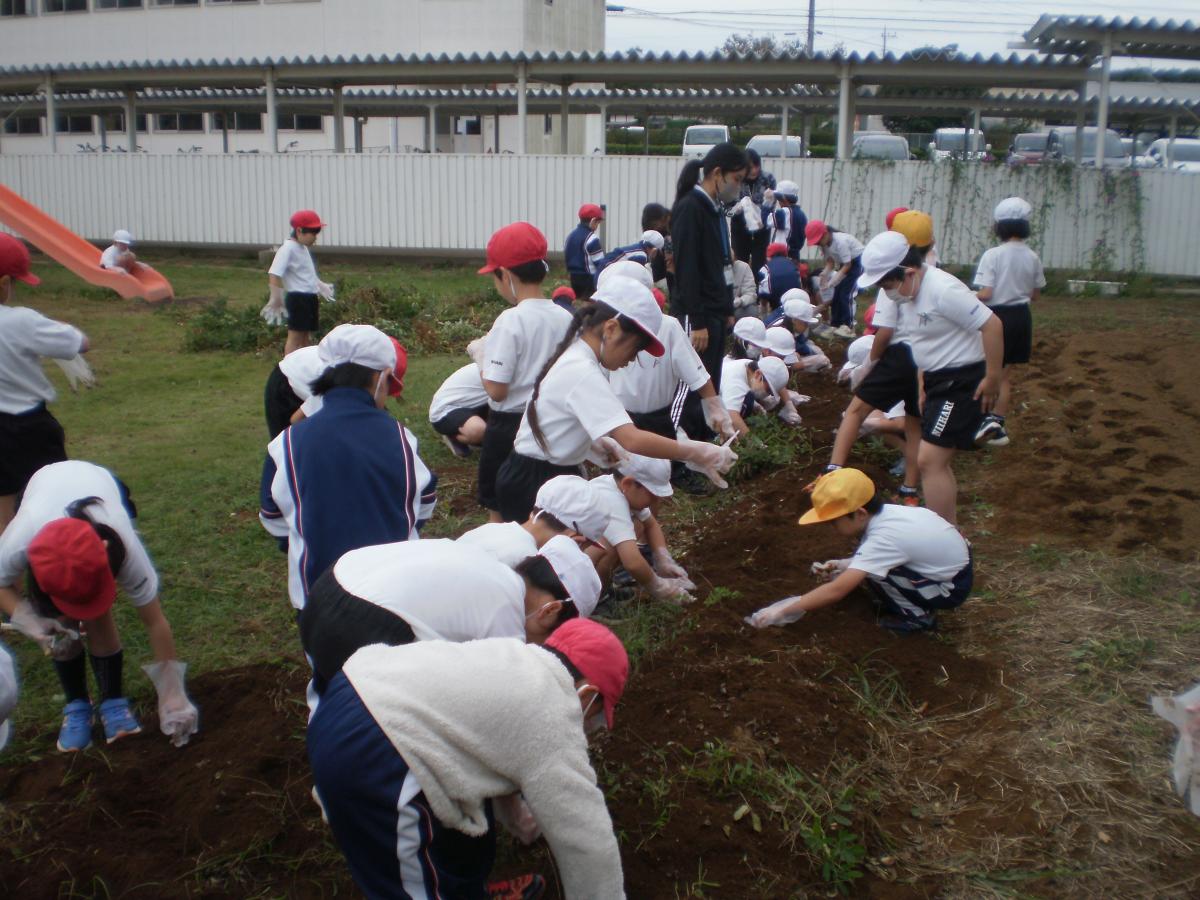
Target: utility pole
[(887, 34), (812, 26)]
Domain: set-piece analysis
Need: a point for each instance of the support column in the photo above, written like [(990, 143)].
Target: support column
[(783, 131), (131, 120), (604, 129), (395, 135), (564, 118), (1102, 111), (51, 116), (806, 128), (339, 120), (358, 134), (225, 131), (103, 132), (1080, 121), (845, 126), (1173, 128), (977, 127), (272, 114), (522, 110), (646, 131), (431, 139), (495, 133)]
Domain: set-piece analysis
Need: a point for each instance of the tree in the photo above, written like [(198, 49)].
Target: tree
[(750, 45)]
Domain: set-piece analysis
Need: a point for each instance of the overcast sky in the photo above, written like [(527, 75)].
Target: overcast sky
[(677, 25)]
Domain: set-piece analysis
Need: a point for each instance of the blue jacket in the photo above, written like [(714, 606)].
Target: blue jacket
[(634, 252), (583, 252), (787, 227), (776, 278)]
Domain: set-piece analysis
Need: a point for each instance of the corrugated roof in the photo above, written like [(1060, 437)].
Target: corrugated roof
[(1077, 36)]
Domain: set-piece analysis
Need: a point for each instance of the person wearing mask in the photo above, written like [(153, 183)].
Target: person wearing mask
[(755, 206)]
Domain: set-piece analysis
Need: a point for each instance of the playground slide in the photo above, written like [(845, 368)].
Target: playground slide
[(70, 250)]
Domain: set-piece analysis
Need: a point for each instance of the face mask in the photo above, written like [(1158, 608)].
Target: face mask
[(512, 288), (729, 191), (592, 722), (536, 611), (381, 388)]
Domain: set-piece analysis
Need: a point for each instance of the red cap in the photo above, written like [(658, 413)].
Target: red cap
[(514, 245), (815, 230), (598, 655), (774, 250), (891, 217), (868, 318), (69, 562), (396, 383), (563, 292), (660, 298), (803, 268), (590, 211), (306, 218), (14, 260)]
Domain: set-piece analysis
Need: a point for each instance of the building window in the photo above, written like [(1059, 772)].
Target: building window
[(175, 122), (68, 124), (243, 121), (548, 125), (116, 122), (468, 125), (176, 2), (299, 122), (118, 4), (57, 6), (16, 7), (23, 125)]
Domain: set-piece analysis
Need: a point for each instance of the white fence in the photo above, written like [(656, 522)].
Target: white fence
[(1144, 221)]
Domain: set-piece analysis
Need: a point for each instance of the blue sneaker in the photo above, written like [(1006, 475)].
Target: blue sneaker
[(76, 731), (118, 720)]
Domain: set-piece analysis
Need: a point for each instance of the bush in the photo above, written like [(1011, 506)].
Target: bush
[(769, 446), (217, 327)]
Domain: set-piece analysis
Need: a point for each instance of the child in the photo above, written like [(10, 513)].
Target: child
[(118, 255), (459, 410), (646, 249), (294, 285), (565, 297), (843, 265), (796, 315), (656, 217), (788, 222), (917, 227), (583, 253), (749, 334), (635, 492), (30, 437), (74, 532), (522, 339), (573, 403), (745, 290), (776, 278), (1009, 277), (912, 561), (888, 425), (746, 383), (891, 216)]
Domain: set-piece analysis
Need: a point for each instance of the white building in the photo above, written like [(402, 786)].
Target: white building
[(80, 32)]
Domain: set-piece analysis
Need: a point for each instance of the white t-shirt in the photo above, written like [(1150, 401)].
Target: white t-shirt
[(911, 536), (294, 266), (1013, 271), (887, 317), (620, 516), (576, 406), (735, 383), (110, 258), (942, 322), (506, 542), (444, 590), (522, 339), (462, 390), (26, 335), (843, 247), (50, 491), (648, 384), (301, 368)]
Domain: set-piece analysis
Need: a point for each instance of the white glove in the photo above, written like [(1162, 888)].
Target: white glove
[(769, 403), (665, 566), (178, 717), (606, 453), (77, 371), (514, 814), (710, 460), (775, 614), (797, 399), (274, 313), (44, 631), (673, 590), (325, 290), (859, 373), (717, 416), (768, 197), (823, 278), (1183, 711), (475, 350), (830, 569), (817, 362), (826, 293), (66, 646), (835, 279), (788, 414)]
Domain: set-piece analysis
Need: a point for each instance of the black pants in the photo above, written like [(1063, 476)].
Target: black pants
[(518, 482), (280, 402), (582, 285), (28, 441), (497, 445), (692, 421), (658, 421), (749, 248)]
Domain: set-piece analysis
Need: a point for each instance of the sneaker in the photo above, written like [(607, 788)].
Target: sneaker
[(622, 578), (991, 431), (845, 331), (909, 624), (118, 719), (908, 496), (459, 449), (76, 731), (693, 483), (821, 330), (1000, 439), (523, 887)]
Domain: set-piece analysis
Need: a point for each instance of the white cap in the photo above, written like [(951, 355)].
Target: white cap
[(857, 352), (364, 345), (751, 330), (796, 305), (572, 501), (883, 253), (782, 343), (506, 542), (8, 693), (626, 268), (652, 474), (654, 239), (788, 189), (775, 371), (634, 301), (1012, 208), (121, 236), (576, 572)]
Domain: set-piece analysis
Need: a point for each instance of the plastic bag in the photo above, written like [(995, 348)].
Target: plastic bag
[(1183, 711), (752, 213)]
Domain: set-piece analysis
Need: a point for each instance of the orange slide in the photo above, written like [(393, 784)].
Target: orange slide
[(70, 250)]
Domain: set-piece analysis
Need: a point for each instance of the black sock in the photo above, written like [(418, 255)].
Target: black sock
[(72, 674), (108, 675)]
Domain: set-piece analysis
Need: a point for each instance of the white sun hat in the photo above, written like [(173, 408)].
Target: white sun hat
[(775, 371), (782, 343), (364, 345), (572, 500), (883, 253), (652, 474), (633, 300), (575, 570), (626, 268), (654, 239), (1012, 208)]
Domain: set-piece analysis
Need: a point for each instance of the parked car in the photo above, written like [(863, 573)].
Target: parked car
[(1061, 147), (699, 139), (880, 146), (959, 143), (1135, 152), (768, 146), (1027, 149), (1185, 156)]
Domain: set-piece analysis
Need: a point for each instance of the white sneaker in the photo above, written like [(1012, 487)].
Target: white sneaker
[(845, 331)]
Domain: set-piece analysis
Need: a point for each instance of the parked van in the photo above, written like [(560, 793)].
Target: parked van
[(959, 143), (1061, 147), (699, 139)]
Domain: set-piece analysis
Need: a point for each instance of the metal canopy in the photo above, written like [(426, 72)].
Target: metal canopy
[(1077, 36)]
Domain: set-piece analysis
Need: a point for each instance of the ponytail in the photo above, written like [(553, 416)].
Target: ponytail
[(727, 157), (689, 177)]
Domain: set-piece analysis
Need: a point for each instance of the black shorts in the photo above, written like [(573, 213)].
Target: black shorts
[(658, 421), (893, 380), (28, 441), (452, 422), (1017, 320), (279, 401), (518, 482), (303, 311), (952, 414), (334, 624), (497, 444), (583, 285)]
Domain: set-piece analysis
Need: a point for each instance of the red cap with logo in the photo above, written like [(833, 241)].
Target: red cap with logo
[(396, 383), (306, 218), (14, 260), (590, 211), (69, 562), (514, 245), (598, 655)]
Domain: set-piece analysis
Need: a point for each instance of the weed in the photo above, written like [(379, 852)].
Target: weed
[(877, 688), (1044, 557), (719, 595), (769, 446), (1121, 654), (650, 626), (697, 887)]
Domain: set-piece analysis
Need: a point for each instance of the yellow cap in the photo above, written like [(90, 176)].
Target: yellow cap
[(916, 226), (838, 493)]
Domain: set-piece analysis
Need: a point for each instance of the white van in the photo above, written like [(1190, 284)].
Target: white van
[(959, 143), (699, 139)]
